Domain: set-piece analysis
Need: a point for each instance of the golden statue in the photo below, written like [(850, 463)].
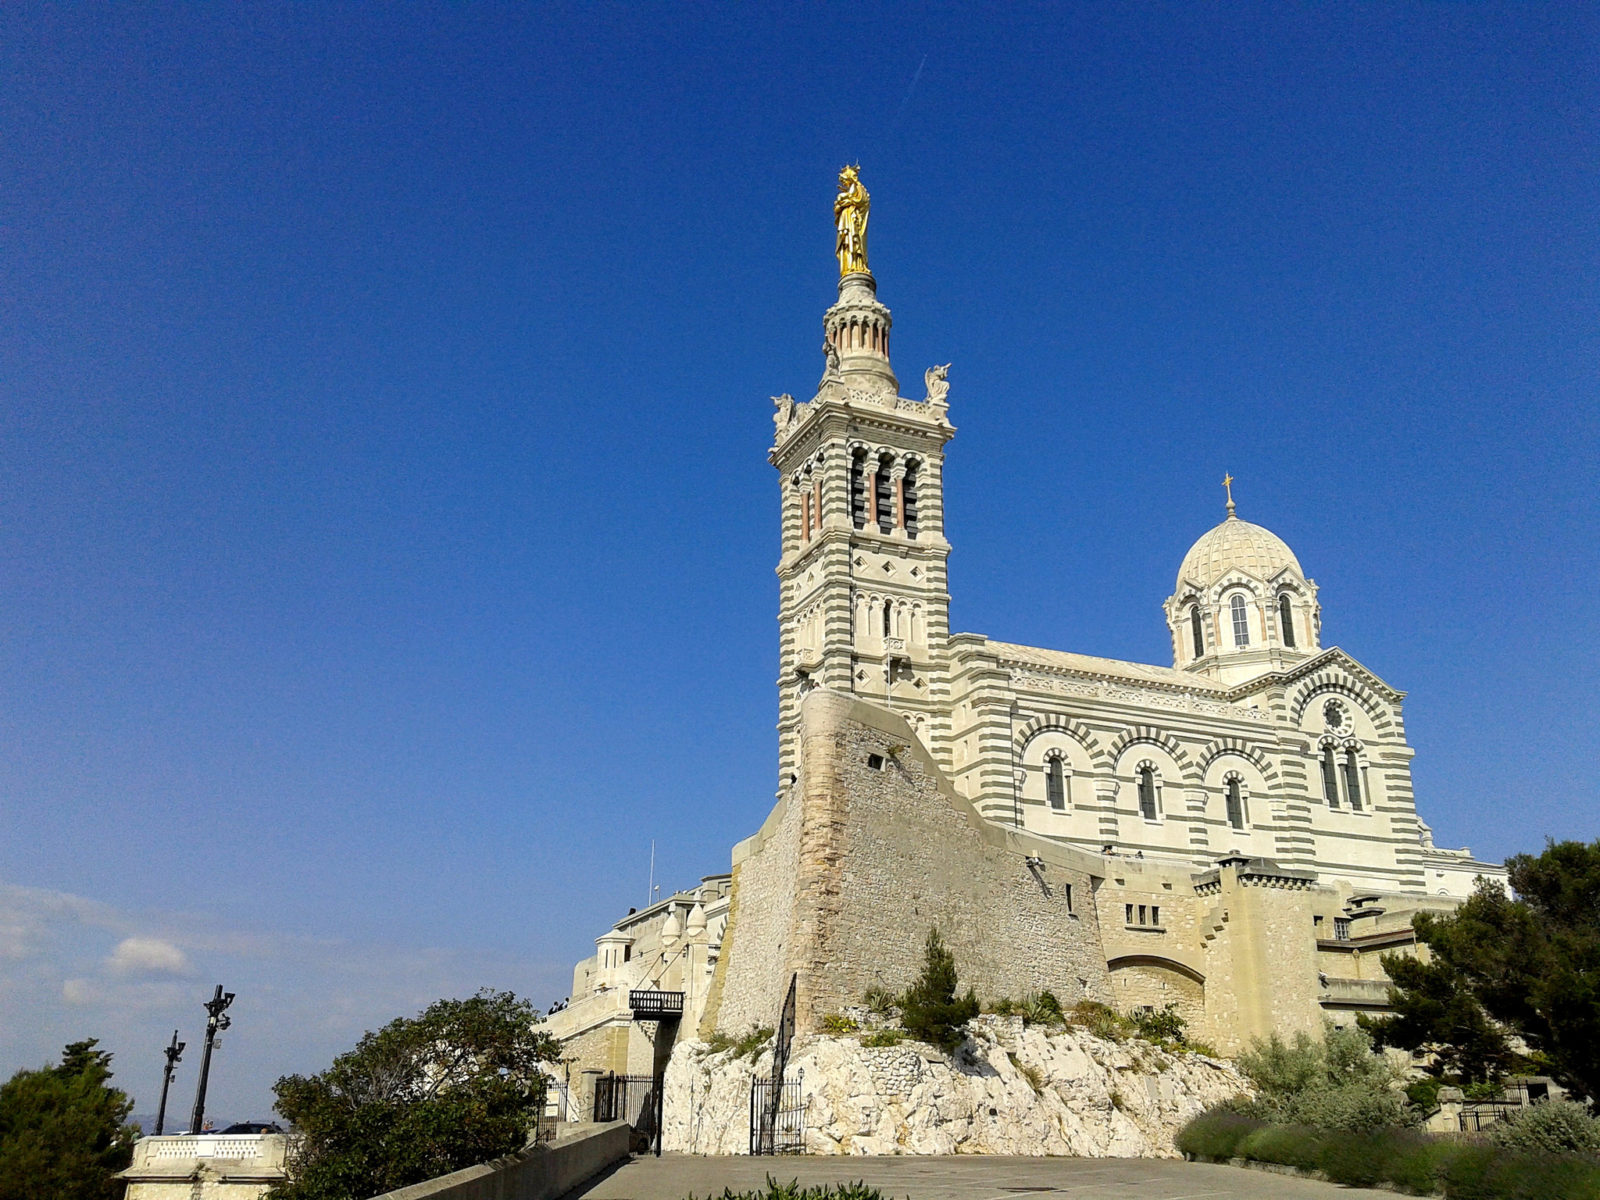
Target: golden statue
[(850, 218)]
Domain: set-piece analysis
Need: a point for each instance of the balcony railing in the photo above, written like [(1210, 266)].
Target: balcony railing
[(648, 1004)]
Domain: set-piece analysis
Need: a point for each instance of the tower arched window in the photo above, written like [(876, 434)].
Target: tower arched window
[(1352, 778), (1147, 792), (1197, 625), (1055, 784), (1286, 620), (910, 486), (1235, 798), (888, 606), (1241, 620), (859, 483), (1330, 777), (883, 491)]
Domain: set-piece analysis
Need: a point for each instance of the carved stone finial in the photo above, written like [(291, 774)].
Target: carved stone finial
[(784, 414), (938, 381)]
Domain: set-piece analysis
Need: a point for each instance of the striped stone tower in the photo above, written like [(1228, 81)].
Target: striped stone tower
[(864, 597)]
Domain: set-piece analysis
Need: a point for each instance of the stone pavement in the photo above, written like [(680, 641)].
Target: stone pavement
[(965, 1177)]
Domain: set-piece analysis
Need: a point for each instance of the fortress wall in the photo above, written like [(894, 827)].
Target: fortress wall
[(752, 973), (880, 856)]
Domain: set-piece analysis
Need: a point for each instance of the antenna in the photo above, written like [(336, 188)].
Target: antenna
[(650, 895)]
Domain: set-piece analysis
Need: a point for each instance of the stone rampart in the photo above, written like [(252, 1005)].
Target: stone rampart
[(870, 850)]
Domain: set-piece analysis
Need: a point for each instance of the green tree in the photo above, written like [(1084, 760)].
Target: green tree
[(929, 1010), (63, 1130), (1531, 963), (456, 1086)]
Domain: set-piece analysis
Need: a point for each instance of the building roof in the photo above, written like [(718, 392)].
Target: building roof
[(1236, 545), (1089, 664)]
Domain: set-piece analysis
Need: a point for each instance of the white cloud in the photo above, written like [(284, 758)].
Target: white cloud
[(147, 956), (79, 993)]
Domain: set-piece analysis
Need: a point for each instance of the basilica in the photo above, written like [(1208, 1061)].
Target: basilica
[(1234, 834)]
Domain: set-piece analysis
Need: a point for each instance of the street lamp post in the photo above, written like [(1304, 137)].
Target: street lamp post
[(174, 1053), (215, 1023)]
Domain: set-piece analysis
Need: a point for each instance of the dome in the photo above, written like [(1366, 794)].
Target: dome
[(1236, 544)]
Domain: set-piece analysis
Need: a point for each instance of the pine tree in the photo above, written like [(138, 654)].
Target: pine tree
[(930, 1011)]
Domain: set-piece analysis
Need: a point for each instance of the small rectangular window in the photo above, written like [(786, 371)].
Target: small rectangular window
[(1141, 915), (1341, 928), (1155, 914), (1129, 907), (875, 761), (1066, 891)]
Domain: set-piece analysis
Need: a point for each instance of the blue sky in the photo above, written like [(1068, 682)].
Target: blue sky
[(386, 536)]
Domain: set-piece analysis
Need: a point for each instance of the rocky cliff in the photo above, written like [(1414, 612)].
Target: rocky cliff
[(1011, 1089)]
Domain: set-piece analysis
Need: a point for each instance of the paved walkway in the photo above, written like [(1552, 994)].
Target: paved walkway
[(965, 1177)]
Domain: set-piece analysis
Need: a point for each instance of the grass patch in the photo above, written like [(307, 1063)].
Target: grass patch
[(793, 1191), (743, 1045), (884, 1037)]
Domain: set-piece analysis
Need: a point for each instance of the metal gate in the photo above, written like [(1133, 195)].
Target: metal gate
[(777, 1116), (631, 1098)]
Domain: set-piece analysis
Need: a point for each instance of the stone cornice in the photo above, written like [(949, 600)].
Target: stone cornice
[(1331, 657)]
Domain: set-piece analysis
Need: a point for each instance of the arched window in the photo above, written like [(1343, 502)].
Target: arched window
[(1055, 784), (911, 499), (1196, 624), (1286, 620), (1147, 792), (1352, 778), (1235, 803), (882, 488), (1330, 778), (887, 606), (858, 490), (1241, 621)]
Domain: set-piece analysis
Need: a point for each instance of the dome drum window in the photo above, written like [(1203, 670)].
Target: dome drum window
[(1057, 783), (1286, 620), (1240, 614)]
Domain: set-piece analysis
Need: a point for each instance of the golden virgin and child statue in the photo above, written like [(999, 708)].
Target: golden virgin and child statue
[(850, 219)]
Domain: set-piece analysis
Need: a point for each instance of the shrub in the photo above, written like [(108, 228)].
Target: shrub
[(1099, 1019), (930, 1010), (743, 1045), (1160, 1025), (883, 1037), (1423, 1094), (1215, 1133), (838, 1023), (880, 1001), (1489, 1173), (1336, 1083), (1553, 1127), (1291, 1145), (1043, 1009)]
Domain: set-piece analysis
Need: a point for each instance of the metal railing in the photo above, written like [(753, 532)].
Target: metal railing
[(779, 1129), (649, 1004)]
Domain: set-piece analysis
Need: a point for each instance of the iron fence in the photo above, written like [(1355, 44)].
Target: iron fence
[(777, 1116)]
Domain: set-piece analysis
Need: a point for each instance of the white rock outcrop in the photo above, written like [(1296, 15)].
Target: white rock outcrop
[(1094, 1098)]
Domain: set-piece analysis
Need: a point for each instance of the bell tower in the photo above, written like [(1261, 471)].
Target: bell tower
[(863, 577)]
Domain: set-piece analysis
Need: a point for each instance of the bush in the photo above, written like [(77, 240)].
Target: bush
[(1160, 1025), (880, 1001), (930, 1010), (1215, 1133), (1100, 1019), (1291, 1145), (1553, 1127), (743, 1045), (1489, 1173), (1336, 1083), (838, 1023)]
